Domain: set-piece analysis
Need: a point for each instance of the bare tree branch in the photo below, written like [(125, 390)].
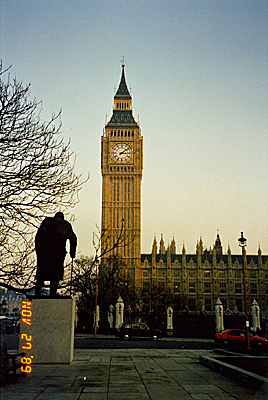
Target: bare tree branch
[(37, 178), (102, 241)]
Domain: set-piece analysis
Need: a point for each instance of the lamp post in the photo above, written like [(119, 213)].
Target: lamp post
[(96, 302), (243, 243)]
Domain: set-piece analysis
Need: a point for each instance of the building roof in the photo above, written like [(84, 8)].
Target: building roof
[(206, 255), (122, 118), (204, 258), (122, 91)]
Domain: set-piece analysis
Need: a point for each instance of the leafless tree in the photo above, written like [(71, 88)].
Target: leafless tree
[(37, 178), (83, 281), (113, 281), (99, 279)]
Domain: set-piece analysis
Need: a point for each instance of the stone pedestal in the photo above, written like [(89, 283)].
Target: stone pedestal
[(47, 330)]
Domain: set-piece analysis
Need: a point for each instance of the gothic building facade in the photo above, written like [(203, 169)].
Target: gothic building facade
[(201, 277)]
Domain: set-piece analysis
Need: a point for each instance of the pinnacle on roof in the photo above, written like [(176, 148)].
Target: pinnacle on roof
[(122, 91)]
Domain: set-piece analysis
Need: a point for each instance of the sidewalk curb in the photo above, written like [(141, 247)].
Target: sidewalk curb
[(232, 372), (164, 339)]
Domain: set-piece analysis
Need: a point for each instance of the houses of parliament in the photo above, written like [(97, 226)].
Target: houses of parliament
[(202, 277)]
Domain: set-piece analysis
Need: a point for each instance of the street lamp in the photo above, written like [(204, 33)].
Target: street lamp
[(243, 243), (96, 302)]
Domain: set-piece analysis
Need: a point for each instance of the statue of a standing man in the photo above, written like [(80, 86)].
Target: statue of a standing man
[(50, 247)]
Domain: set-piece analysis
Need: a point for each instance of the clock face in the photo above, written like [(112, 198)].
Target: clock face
[(121, 152)]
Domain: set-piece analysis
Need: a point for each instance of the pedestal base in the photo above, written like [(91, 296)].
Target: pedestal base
[(47, 330)]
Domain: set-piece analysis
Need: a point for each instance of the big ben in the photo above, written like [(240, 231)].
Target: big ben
[(121, 166)]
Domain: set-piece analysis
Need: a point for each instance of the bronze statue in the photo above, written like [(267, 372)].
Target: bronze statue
[(50, 247)]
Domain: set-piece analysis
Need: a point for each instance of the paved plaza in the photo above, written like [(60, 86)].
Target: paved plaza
[(106, 374)]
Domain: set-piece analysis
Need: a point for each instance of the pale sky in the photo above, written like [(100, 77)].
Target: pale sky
[(198, 76)]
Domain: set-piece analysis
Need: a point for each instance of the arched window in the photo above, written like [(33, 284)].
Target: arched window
[(128, 191), (125, 191), (117, 197), (114, 191)]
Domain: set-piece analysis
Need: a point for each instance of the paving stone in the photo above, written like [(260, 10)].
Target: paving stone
[(93, 396), (207, 389), (201, 396), (62, 389), (184, 375), (127, 388), (130, 396), (95, 389), (129, 374), (57, 395), (18, 396), (225, 396), (167, 393), (168, 364)]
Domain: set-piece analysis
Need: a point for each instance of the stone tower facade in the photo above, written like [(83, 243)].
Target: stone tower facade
[(121, 167)]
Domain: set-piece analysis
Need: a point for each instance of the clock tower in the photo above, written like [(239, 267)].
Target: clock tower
[(121, 167)]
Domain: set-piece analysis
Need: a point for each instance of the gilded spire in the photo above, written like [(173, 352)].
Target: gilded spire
[(201, 245), (154, 247), (218, 246), (162, 249), (173, 246)]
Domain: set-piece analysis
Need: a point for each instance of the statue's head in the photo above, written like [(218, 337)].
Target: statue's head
[(59, 215)]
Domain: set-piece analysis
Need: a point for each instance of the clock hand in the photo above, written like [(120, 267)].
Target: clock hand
[(122, 152)]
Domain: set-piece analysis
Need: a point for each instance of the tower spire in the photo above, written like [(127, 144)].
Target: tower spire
[(122, 91), (122, 111)]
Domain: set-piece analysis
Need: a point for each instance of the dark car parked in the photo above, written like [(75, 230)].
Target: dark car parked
[(7, 324), (129, 330)]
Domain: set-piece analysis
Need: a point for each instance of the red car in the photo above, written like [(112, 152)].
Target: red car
[(238, 336)]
